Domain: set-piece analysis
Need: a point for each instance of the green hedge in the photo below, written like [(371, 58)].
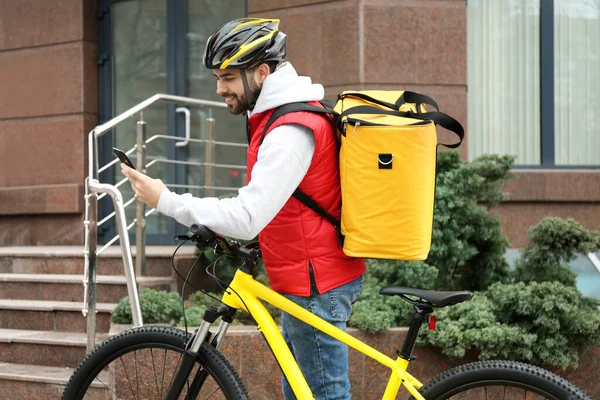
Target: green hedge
[(539, 317), (156, 306)]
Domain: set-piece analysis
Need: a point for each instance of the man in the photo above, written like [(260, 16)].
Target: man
[(300, 248)]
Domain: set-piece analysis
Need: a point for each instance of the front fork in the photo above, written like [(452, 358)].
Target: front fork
[(188, 361)]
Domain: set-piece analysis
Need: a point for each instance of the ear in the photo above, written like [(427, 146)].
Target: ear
[(262, 72)]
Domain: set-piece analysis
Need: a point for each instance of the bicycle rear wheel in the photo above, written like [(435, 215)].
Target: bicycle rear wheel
[(140, 363), (499, 380)]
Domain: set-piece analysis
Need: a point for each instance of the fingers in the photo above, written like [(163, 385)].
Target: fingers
[(130, 173)]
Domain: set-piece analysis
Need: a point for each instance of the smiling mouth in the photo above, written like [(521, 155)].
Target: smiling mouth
[(229, 99)]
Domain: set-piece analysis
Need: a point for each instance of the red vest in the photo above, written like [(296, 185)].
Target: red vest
[(298, 237)]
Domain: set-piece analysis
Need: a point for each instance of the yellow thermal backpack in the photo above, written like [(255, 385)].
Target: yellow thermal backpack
[(387, 170)]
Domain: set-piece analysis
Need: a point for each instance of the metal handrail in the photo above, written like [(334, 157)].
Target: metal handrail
[(94, 190), (197, 141), (100, 130), (195, 164), (167, 98)]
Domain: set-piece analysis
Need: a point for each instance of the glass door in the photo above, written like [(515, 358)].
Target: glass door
[(155, 46), (229, 173)]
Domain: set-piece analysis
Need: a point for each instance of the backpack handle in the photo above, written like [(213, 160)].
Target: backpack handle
[(406, 97), (439, 118)]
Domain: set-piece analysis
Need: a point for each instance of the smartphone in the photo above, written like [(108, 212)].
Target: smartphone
[(123, 157)]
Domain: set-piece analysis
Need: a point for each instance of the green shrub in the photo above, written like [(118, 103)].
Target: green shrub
[(475, 324), (543, 323), (553, 243), (156, 306), (193, 315), (467, 243), (541, 317)]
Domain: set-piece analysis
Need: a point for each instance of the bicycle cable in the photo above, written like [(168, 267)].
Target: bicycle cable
[(213, 275), (225, 287), (173, 262), (185, 281)]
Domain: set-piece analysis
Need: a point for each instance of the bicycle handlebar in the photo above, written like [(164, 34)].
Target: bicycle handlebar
[(204, 237)]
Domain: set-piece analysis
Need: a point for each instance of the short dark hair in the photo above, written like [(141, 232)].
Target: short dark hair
[(271, 64)]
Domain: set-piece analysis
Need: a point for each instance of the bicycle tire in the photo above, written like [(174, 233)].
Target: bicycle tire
[(140, 352), (500, 380)]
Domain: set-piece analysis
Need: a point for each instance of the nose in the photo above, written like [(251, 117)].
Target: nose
[(221, 90)]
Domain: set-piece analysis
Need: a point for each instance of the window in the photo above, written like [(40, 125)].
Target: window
[(533, 81), (577, 82)]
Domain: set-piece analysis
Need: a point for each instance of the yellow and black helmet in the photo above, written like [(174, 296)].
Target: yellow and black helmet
[(244, 43)]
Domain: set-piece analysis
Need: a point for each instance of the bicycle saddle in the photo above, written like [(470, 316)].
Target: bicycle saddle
[(436, 298)]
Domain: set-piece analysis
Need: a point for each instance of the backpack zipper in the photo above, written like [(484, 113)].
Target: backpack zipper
[(358, 122)]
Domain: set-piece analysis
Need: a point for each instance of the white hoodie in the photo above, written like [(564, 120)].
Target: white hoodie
[(283, 160)]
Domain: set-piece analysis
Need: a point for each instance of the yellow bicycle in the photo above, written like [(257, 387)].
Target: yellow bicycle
[(166, 363)]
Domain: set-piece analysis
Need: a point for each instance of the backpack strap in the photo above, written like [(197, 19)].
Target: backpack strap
[(294, 107), (416, 98), (313, 205), (299, 194)]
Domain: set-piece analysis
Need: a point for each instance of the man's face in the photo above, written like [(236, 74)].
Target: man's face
[(231, 87)]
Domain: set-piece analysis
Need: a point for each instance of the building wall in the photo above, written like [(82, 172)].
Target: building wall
[(48, 104), (420, 46), (379, 44), (48, 101)]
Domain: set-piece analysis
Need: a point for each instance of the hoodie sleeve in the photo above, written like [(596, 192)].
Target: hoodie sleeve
[(283, 160)]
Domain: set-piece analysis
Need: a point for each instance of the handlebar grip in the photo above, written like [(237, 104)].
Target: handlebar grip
[(202, 232)]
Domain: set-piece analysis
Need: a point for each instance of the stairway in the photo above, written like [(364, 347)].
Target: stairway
[(42, 330)]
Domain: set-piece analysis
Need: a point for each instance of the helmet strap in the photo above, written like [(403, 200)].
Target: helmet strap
[(249, 95)]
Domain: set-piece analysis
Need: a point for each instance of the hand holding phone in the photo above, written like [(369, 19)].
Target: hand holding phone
[(123, 157)]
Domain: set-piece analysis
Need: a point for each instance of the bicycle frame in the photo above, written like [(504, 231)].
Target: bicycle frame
[(244, 293)]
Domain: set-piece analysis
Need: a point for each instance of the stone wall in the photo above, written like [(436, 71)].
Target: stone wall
[(48, 104), (248, 352)]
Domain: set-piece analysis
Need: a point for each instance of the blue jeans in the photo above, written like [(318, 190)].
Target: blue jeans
[(323, 360)]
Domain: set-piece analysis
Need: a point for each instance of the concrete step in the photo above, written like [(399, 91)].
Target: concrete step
[(51, 315), (55, 287), (19, 382), (70, 260), (48, 349)]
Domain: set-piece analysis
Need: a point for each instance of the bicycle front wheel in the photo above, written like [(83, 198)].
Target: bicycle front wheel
[(500, 380), (141, 363)]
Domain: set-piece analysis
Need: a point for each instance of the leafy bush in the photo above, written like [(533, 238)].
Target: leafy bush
[(476, 324), (467, 250), (541, 318), (156, 306), (467, 243), (553, 243), (544, 323), (193, 315)]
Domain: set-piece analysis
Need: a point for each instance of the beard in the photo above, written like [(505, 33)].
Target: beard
[(241, 103)]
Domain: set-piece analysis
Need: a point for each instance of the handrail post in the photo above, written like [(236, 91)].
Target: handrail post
[(140, 232), (128, 266), (89, 306), (209, 155)]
